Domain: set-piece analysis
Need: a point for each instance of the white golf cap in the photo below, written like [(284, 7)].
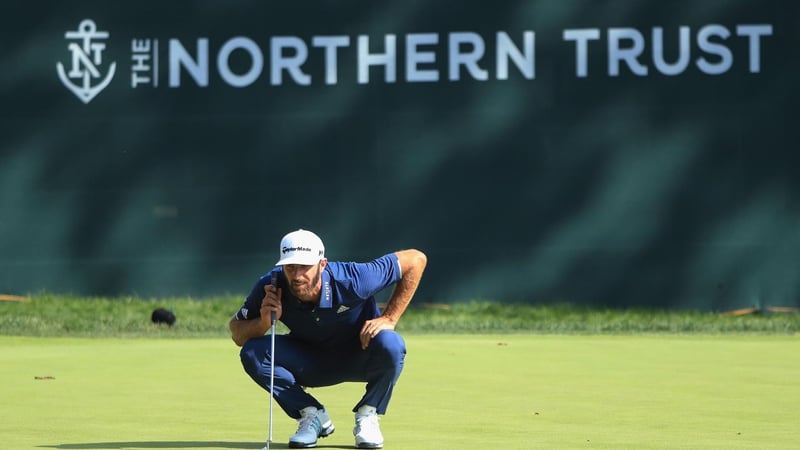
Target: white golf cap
[(301, 247)]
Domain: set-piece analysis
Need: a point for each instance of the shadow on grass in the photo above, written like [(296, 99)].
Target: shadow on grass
[(177, 444)]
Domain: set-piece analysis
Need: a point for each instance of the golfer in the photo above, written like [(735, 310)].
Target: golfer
[(337, 333)]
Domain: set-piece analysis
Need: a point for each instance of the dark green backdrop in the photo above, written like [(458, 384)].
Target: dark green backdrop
[(655, 191)]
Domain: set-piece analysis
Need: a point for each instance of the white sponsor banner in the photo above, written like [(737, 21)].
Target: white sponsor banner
[(423, 57)]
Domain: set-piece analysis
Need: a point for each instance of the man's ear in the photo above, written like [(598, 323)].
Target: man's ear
[(322, 263)]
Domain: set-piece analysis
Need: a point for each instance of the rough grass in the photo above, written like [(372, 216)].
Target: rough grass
[(58, 315)]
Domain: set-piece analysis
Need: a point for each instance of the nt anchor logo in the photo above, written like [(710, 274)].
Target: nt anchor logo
[(87, 57)]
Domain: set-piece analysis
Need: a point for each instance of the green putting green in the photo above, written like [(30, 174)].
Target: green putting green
[(457, 391)]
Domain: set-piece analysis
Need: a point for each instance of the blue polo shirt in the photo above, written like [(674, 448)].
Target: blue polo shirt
[(347, 300)]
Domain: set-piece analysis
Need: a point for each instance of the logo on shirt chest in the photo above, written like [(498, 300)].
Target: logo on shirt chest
[(342, 309)]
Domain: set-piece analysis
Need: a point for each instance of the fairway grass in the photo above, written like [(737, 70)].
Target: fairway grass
[(507, 391)]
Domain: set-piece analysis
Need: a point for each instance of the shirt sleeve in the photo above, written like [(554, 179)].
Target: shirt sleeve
[(372, 277), (251, 309)]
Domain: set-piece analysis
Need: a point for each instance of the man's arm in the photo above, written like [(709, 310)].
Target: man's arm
[(412, 264), (244, 330)]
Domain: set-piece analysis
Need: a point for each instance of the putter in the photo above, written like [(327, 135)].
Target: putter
[(273, 319)]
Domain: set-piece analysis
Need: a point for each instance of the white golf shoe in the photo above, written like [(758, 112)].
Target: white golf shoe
[(313, 423), (367, 430)]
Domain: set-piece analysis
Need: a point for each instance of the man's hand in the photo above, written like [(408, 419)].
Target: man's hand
[(244, 330), (271, 302), (372, 327)]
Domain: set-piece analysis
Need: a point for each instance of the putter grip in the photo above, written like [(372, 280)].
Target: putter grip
[(274, 282)]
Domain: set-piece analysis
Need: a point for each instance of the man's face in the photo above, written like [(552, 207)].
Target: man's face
[(305, 282)]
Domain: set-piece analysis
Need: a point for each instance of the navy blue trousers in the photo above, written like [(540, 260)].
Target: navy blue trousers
[(299, 364)]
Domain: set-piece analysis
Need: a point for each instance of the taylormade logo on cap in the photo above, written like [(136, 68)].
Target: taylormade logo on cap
[(284, 250), (301, 247)]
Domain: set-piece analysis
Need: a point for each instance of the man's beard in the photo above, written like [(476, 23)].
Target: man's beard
[(306, 291)]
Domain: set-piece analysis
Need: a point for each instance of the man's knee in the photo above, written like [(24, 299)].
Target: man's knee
[(252, 354), (390, 345)]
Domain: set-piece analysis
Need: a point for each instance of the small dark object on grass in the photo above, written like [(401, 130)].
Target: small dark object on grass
[(162, 315)]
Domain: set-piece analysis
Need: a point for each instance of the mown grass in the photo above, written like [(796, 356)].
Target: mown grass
[(61, 315), (457, 391)]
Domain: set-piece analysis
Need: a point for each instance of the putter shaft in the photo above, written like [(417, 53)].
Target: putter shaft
[(271, 375), (273, 318)]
